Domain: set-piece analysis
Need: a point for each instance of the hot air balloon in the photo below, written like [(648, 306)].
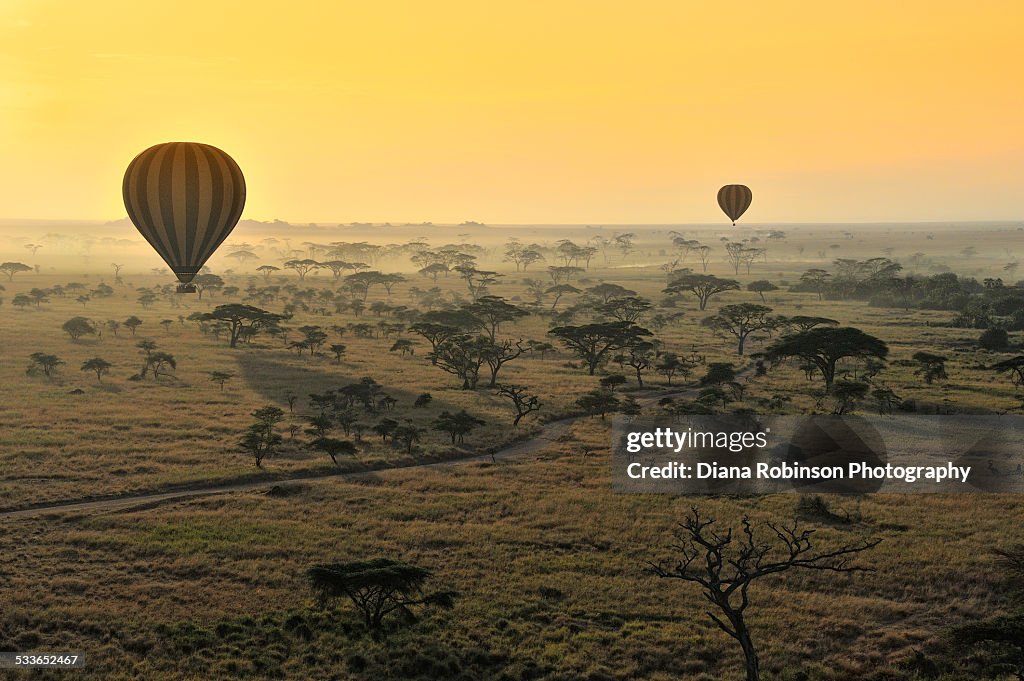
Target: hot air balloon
[(734, 200), (184, 198)]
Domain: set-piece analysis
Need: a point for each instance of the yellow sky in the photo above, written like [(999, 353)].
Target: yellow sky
[(581, 112)]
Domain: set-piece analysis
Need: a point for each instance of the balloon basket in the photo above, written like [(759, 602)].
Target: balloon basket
[(186, 288)]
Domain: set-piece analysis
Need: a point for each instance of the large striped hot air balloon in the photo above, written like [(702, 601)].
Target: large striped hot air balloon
[(734, 200), (184, 198)]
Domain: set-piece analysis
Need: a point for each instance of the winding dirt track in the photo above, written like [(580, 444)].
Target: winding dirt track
[(548, 434)]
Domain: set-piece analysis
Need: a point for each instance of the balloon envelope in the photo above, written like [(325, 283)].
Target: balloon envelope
[(734, 199), (184, 198)]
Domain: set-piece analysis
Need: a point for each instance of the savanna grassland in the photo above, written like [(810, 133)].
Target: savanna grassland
[(551, 568)]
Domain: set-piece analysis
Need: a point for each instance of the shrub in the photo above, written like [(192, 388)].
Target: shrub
[(994, 339)]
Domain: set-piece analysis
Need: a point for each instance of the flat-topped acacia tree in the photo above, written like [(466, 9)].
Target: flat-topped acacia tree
[(593, 342), (239, 318), (302, 267), (806, 323), (823, 347), (267, 271), (742, 320), (377, 588), (492, 311), (703, 286), (762, 286), (12, 268), (97, 365)]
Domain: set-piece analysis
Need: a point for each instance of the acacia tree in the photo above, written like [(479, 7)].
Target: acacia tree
[(762, 286), (593, 342), (403, 345), (377, 588), (302, 267), (408, 434), (930, 366), (207, 282), (389, 281), (1014, 368), (704, 254), (816, 280), (543, 347), (261, 439), (457, 425), (133, 323), (362, 282), (159, 362), (39, 295), (499, 354), (806, 323), (98, 365), (639, 356), (566, 273), (823, 347), (492, 311), (267, 271), (559, 290), (437, 333), (463, 355), (523, 401), (12, 268), (885, 400), (703, 286), (221, 377), (241, 319), (625, 309), (742, 320), (242, 256), (76, 327), (41, 361), (725, 565), (735, 254), (476, 280), (846, 394), (719, 377), (434, 270), (523, 256), (669, 364), (606, 291), (598, 401), (338, 349), (333, 447)]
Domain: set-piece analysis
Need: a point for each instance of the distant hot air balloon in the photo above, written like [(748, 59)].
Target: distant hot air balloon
[(734, 199), (184, 198)]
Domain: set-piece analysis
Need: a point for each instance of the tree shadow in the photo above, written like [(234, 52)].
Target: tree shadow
[(274, 378)]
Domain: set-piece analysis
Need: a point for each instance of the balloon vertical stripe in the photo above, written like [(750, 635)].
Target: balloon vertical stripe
[(164, 187), (184, 198), (191, 189)]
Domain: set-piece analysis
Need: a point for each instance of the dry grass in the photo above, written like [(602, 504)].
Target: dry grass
[(550, 563), (550, 566)]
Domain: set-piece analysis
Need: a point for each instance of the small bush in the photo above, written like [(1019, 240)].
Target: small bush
[(814, 506), (994, 339)]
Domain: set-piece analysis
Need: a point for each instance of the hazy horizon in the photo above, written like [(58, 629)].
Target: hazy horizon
[(744, 225)]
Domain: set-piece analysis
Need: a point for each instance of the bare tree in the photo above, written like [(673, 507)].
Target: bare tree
[(725, 566), (523, 401)]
